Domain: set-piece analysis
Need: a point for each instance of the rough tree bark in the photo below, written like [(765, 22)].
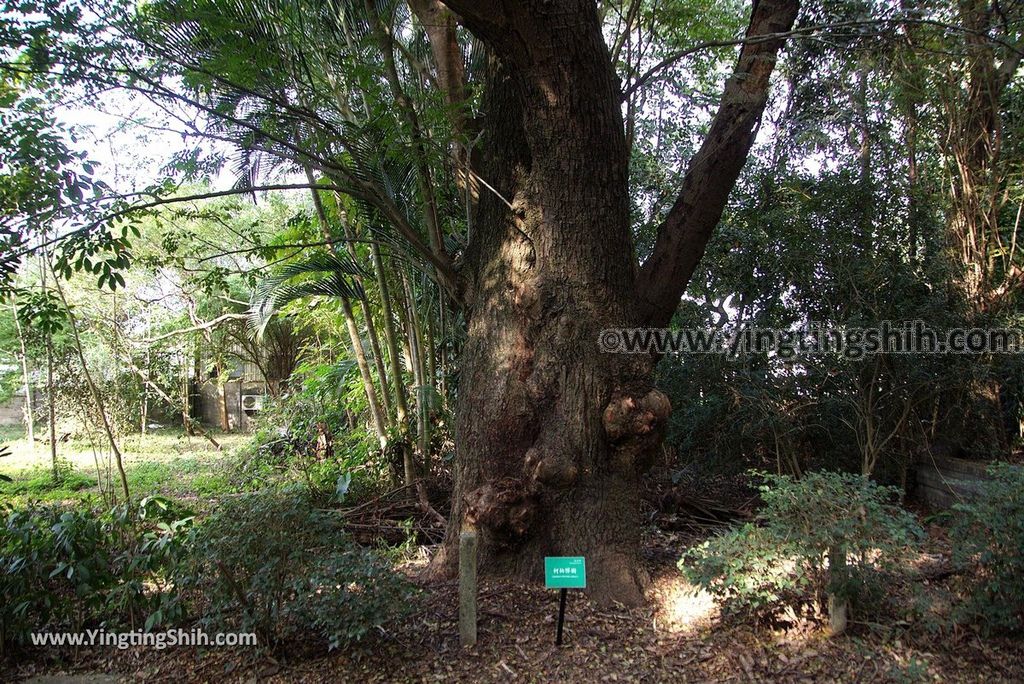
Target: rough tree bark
[(553, 435)]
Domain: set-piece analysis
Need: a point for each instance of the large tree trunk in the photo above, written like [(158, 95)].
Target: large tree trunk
[(552, 434), (538, 470)]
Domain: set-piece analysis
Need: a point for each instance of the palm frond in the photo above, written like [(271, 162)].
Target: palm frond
[(323, 274)]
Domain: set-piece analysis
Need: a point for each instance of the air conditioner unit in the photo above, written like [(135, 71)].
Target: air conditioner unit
[(252, 402)]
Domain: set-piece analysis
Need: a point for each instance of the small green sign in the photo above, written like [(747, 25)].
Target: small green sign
[(565, 572)]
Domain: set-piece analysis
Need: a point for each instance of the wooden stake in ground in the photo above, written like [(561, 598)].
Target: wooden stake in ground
[(838, 606), (467, 586)]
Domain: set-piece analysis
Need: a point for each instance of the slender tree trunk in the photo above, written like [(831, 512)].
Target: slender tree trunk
[(222, 399), (144, 417), (914, 214), (430, 355), (972, 143), (424, 179), (378, 358), (442, 360), (30, 422), (97, 397), (371, 329), (51, 406), (413, 326), (376, 414), (450, 76), (866, 189), (364, 371), (391, 338), (144, 427), (186, 411), (440, 27), (418, 372)]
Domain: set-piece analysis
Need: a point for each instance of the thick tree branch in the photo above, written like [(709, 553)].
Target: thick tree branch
[(485, 18), (817, 30), (440, 26), (684, 235)]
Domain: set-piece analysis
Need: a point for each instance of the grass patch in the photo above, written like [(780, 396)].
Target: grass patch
[(39, 485), (167, 462)]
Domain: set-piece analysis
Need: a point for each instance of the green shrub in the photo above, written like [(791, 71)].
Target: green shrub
[(287, 447), (271, 564), (989, 533), (747, 570), (67, 569), (805, 523)]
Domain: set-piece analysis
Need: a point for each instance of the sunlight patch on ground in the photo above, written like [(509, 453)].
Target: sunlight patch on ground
[(162, 446), (166, 462), (680, 607)]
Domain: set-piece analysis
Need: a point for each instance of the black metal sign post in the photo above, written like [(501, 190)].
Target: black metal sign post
[(561, 616)]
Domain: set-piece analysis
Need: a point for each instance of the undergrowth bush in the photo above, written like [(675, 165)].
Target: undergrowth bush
[(272, 564), (989, 534), (67, 569), (305, 438), (826, 533)]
